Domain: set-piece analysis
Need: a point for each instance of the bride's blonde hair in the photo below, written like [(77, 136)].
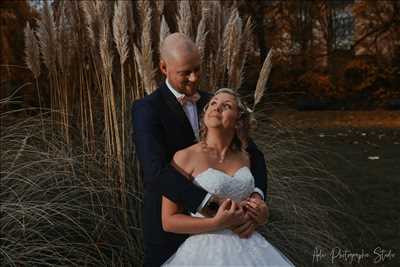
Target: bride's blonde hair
[(243, 125)]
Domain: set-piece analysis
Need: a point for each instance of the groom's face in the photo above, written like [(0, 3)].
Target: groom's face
[(183, 72)]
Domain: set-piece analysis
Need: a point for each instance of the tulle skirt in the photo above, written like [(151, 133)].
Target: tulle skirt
[(224, 248)]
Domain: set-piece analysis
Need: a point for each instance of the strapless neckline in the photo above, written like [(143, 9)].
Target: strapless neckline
[(236, 187), (222, 172)]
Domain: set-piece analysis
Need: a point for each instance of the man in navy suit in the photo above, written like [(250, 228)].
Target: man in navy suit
[(167, 121)]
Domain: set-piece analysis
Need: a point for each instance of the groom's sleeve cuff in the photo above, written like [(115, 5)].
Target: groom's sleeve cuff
[(208, 196), (258, 190), (204, 202)]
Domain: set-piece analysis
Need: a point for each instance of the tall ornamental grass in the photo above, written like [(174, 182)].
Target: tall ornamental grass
[(71, 186), (57, 201)]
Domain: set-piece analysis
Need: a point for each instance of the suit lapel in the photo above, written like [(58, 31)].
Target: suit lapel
[(177, 109)]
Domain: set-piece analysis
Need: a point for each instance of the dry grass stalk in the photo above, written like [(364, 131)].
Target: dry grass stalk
[(32, 52), (74, 49), (215, 22), (80, 44), (94, 12), (147, 67), (54, 203), (202, 33), (106, 58), (112, 123), (245, 45), (130, 18), (92, 24), (139, 60), (61, 38), (120, 30), (184, 18), (135, 91), (32, 58), (120, 25), (196, 8), (47, 37), (160, 6), (231, 41), (263, 78), (88, 8), (164, 29), (105, 48), (64, 38), (215, 57), (46, 34)]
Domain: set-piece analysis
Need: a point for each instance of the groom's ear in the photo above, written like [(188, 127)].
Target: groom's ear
[(163, 67)]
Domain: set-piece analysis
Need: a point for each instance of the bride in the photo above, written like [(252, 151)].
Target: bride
[(219, 164)]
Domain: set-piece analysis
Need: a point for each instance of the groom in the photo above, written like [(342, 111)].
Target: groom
[(167, 121)]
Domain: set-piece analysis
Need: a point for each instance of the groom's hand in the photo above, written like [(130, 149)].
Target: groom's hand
[(256, 209), (256, 214), (246, 229)]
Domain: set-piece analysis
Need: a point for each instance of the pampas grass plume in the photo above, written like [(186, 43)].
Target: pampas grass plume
[(32, 52), (47, 37), (164, 30), (120, 29), (184, 18), (263, 78)]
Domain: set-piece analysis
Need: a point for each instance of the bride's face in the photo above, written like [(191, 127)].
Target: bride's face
[(222, 112)]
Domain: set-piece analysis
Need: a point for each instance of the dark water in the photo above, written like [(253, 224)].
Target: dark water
[(368, 162)]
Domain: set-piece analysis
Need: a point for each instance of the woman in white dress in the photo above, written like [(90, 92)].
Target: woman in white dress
[(219, 164)]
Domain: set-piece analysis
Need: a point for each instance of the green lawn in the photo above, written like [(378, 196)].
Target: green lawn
[(368, 162)]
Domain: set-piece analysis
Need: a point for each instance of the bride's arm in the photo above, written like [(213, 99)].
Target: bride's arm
[(174, 221), (173, 218)]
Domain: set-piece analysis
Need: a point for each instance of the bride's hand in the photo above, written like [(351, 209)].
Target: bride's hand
[(229, 213)]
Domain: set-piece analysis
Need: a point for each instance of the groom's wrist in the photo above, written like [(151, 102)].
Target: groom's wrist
[(257, 191), (204, 202), (211, 206), (256, 195)]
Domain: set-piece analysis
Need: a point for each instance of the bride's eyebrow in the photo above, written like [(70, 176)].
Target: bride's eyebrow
[(226, 101)]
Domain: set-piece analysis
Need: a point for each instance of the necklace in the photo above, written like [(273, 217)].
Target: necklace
[(212, 151)]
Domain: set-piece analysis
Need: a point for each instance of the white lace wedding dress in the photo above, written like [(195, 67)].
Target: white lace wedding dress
[(224, 248)]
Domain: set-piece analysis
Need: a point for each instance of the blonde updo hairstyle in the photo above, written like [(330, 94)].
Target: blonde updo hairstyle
[(243, 125)]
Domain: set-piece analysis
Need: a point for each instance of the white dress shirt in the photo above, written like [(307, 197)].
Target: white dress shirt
[(190, 111)]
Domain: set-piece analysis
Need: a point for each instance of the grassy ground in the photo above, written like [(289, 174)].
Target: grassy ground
[(363, 151)]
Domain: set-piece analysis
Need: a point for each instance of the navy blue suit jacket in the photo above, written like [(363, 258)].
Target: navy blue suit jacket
[(161, 128)]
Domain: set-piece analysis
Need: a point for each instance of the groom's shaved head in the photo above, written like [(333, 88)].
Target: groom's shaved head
[(177, 45), (180, 63)]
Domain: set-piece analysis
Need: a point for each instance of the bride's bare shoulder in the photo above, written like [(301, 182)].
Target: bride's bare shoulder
[(184, 159)]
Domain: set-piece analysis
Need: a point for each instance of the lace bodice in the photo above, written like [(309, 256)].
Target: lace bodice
[(236, 187), (223, 247)]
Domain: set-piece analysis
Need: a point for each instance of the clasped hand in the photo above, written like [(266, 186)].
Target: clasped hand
[(242, 218)]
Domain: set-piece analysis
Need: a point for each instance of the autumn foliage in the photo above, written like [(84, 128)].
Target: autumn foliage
[(13, 18)]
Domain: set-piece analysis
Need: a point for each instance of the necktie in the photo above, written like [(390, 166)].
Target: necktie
[(183, 100)]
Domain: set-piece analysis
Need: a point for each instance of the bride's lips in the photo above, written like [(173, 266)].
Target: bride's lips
[(215, 116)]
